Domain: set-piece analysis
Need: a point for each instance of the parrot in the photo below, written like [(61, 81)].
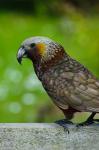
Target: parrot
[(70, 85)]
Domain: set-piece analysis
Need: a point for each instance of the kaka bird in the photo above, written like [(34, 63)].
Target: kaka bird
[(71, 86)]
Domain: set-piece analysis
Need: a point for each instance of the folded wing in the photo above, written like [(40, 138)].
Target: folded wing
[(85, 96)]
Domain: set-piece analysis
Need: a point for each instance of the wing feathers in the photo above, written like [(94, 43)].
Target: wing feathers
[(85, 96)]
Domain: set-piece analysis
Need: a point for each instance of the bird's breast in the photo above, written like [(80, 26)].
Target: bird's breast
[(58, 85)]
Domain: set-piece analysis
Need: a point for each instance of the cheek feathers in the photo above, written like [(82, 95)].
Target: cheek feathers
[(41, 48)]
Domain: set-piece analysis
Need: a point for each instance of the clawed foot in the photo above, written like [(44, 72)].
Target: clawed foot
[(89, 121), (86, 123), (64, 123)]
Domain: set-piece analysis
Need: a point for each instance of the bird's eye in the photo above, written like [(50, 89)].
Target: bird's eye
[(22, 46), (32, 45)]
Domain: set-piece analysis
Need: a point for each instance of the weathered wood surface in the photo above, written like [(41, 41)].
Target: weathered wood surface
[(43, 136)]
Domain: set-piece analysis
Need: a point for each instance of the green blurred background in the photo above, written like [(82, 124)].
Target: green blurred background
[(73, 23)]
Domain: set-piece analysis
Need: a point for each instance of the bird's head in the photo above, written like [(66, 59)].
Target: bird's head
[(40, 50)]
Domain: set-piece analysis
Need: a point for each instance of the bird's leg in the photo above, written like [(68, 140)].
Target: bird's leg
[(69, 113), (89, 121)]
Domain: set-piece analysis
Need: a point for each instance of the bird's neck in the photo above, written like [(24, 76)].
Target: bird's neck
[(42, 67)]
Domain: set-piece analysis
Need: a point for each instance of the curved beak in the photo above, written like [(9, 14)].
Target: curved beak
[(21, 54)]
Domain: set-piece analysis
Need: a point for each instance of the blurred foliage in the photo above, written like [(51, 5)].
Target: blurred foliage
[(49, 7), (22, 97)]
